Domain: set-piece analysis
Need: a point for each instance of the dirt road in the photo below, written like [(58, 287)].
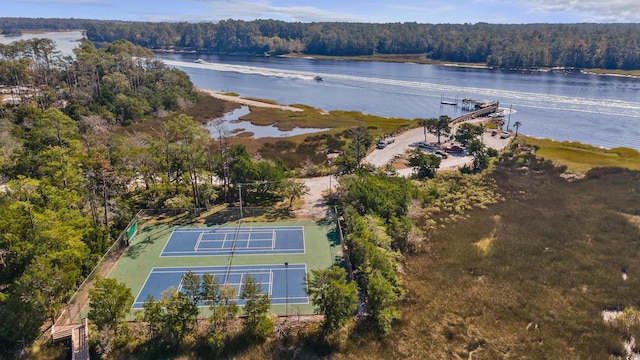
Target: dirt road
[(314, 206)]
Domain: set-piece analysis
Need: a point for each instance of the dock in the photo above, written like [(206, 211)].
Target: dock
[(484, 109), (448, 102)]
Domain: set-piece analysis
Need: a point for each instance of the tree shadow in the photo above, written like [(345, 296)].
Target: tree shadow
[(134, 251), (279, 213)]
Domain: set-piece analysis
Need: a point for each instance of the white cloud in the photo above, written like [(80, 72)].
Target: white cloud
[(591, 10), (250, 10), (72, 2)]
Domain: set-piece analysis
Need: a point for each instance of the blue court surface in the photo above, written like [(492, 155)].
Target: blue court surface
[(239, 241), (284, 285)]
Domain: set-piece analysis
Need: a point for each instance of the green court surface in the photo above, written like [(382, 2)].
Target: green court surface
[(321, 250)]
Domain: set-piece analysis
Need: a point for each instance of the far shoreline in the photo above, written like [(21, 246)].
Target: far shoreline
[(394, 58)]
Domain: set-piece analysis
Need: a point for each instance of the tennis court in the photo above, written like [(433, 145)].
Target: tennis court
[(237, 241), (284, 284)]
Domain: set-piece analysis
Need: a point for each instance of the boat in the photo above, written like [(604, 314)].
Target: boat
[(199, 61), (317, 78)]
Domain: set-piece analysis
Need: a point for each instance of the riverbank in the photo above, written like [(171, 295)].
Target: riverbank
[(422, 59)]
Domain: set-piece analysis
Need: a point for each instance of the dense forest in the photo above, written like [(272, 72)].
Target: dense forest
[(9, 23), (63, 172), (607, 46)]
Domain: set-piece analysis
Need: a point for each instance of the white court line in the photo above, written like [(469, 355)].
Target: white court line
[(167, 243), (273, 240), (240, 284), (249, 235), (224, 240), (270, 282), (195, 248)]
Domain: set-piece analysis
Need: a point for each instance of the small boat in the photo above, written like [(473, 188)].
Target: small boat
[(317, 78), (199, 61)]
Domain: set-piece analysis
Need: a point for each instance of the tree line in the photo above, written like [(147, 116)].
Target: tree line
[(608, 46), (585, 45)]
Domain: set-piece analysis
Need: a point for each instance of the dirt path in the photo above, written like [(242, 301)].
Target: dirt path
[(314, 206)]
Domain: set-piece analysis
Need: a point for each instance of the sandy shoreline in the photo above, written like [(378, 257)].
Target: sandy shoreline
[(239, 100)]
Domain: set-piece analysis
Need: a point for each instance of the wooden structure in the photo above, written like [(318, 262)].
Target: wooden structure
[(79, 336), (483, 110)]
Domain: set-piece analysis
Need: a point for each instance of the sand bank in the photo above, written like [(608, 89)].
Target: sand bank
[(239, 100)]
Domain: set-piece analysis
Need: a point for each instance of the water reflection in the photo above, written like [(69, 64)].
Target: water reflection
[(230, 123)]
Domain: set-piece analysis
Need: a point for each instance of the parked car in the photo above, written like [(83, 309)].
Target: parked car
[(441, 153), (454, 149), (383, 143), (504, 135)]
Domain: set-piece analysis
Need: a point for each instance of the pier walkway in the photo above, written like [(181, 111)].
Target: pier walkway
[(491, 108)]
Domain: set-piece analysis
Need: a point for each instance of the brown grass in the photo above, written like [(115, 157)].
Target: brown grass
[(554, 263)]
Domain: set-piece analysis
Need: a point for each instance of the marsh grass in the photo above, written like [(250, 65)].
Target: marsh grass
[(580, 158), (553, 265), (337, 120)]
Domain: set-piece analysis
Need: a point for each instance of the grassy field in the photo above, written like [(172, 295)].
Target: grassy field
[(526, 278)]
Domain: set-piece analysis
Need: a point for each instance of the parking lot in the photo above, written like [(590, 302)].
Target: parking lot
[(415, 139)]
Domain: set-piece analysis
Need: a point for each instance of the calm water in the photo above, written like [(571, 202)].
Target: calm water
[(65, 41), (232, 125), (598, 110)]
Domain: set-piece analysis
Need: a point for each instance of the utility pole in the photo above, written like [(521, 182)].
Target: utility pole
[(330, 189), (240, 197)]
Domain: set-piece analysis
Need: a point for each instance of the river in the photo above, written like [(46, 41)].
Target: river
[(592, 109)]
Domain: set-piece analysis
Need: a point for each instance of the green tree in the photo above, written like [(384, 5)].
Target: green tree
[(210, 290), (479, 152), (109, 303), (467, 132), (424, 164), (425, 124), (361, 140), (332, 296), (292, 189), (227, 309), (171, 318), (191, 286), (257, 323), (440, 126), (381, 297), (180, 316), (517, 125)]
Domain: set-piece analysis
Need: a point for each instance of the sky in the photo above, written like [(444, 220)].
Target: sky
[(376, 11)]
